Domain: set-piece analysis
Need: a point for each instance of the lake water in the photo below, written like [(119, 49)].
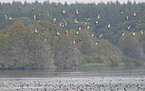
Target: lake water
[(93, 79)]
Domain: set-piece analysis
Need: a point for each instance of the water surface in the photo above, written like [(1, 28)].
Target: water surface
[(93, 79)]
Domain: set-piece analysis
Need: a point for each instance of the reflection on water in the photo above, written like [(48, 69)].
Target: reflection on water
[(102, 71), (93, 79)]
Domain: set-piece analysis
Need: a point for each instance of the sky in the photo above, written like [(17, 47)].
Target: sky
[(73, 1)]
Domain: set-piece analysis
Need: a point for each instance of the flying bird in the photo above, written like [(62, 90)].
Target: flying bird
[(42, 34), (80, 27), (108, 26), (34, 17), (10, 18), (138, 22), (77, 33), (121, 11), (6, 16), (19, 8), (77, 12), (96, 43), (123, 33), (141, 31), (98, 16), (55, 5), (89, 3), (42, 11), (88, 27), (96, 22), (33, 9), (100, 36), (54, 20), (65, 23), (58, 33), (128, 27), (66, 32), (39, 15), (133, 34), (93, 34), (45, 40), (63, 12), (47, 14), (75, 21), (36, 31), (74, 41), (126, 18), (134, 14), (60, 24)]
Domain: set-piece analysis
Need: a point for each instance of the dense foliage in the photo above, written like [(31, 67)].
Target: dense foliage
[(47, 35)]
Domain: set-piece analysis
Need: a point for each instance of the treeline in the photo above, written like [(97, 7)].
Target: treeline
[(50, 35)]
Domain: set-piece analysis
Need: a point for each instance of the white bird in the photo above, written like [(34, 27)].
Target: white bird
[(108, 26), (96, 43), (42, 11), (128, 27), (77, 12), (76, 21), (54, 20), (6, 16), (10, 18), (74, 41), (36, 31), (55, 5), (34, 17), (126, 18), (19, 7), (33, 9), (133, 34), (93, 34), (45, 40), (100, 36), (38, 21), (77, 33), (60, 24), (66, 32), (123, 33), (134, 14), (39, 15), (138, 22), (80, 28), (121, 11), (65, 23), (88, 27), (63, 12), (43, 34), (141, 31), (47, 14), (58, 33), (87, 19), (98, 16), (96, 22), (89, 3)]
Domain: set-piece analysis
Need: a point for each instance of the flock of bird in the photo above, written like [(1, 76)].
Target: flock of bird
[(86, 21), (73, 84)]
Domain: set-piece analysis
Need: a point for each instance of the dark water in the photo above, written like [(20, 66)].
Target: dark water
[(93, 79)]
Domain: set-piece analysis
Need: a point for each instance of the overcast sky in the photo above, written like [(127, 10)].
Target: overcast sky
[(73, 1)]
